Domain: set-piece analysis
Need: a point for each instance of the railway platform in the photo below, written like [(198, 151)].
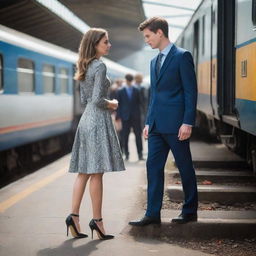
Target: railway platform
[(33, 212)]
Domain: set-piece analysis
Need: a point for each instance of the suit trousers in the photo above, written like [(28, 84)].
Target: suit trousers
[(159, 146), (126, 129)]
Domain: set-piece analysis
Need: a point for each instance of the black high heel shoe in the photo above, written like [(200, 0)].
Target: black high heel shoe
[(93, 226), (71, 225)]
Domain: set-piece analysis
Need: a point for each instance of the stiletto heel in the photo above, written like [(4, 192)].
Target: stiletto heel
[(92, 233), (93, 226), (71, 225)]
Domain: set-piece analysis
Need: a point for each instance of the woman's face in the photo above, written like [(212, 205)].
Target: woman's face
[(102, 48)]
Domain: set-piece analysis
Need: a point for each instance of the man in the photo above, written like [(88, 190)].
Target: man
[(143, 97), (129, 113), (170, 118)]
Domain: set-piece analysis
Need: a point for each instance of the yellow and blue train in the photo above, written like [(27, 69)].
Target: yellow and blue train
[(39, 100), (222, 37)]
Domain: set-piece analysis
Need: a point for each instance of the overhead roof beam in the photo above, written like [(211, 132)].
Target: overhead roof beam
[(169, 5), (64, 13), (176, 26), (176, 16)]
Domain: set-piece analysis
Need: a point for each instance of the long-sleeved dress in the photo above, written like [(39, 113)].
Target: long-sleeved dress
[(96, 147)]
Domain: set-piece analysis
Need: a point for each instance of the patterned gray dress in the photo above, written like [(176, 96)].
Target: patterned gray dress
[(96, 147)]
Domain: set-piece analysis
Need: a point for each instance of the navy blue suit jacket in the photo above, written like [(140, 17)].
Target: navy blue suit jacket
[(173, 94), (128, 108)]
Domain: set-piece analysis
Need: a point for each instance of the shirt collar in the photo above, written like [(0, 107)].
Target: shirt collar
[(166, 50), (128, 87)]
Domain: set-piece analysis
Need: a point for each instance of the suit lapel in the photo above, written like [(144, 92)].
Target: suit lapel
[(167, 61), (124, 93)]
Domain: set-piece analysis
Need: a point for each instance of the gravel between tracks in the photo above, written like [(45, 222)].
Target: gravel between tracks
[(246, 247)]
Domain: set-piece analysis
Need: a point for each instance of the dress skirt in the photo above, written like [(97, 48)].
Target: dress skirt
[(96, 147)]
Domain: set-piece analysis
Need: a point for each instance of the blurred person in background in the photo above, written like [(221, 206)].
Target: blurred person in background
[(118, 83), (144, 96), (129, 114), (113, 94)]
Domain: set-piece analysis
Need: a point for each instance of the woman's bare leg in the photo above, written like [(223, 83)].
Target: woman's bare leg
[(78, 192), (96, 192)]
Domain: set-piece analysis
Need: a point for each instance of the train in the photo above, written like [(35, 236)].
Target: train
[(39, 99), (221, 36)]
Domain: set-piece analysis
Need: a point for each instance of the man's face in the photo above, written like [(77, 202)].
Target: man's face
[(151, 38)]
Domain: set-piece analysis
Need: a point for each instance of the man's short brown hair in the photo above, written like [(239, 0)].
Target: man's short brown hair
[(155, 23), (129, 77)]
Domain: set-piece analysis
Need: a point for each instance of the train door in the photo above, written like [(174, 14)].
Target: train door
[(226, 61), (196, 44), (213, 81)]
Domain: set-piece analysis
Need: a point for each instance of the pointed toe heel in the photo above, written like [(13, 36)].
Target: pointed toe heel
[(72, 227), (93, 226)]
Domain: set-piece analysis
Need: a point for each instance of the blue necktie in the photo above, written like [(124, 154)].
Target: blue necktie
[(158, 63)]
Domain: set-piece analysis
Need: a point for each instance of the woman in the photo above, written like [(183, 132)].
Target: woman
[(96, 149)]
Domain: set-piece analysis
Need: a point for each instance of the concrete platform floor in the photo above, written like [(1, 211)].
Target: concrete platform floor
[(212, 151), (216, 193), (210, 224), (220, 176), (33, 212)]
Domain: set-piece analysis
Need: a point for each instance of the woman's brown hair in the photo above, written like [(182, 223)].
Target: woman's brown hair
[(87, 51)]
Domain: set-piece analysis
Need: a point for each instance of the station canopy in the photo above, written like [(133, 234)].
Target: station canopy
[(39, 19), (176, 12)]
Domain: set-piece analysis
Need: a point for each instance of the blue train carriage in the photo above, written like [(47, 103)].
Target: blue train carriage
[(221, 36), (245, 54), (36, 99)]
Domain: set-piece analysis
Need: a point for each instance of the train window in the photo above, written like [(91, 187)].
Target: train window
[(203, 34), (63, 76), (1, 73), (26, 81), (48, 78), (254, 12)]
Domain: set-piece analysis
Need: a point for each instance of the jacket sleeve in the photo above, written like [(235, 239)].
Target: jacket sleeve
[(100, 90), (189, 85)]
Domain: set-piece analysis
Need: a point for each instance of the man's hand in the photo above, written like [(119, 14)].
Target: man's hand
[(145, 132), (185, 132)]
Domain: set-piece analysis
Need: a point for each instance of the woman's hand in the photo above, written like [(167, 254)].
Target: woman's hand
[(113, 104)]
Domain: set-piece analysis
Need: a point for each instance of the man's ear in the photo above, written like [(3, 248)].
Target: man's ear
[(159, 32)]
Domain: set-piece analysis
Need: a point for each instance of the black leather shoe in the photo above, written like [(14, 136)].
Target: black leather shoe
[(185, 218), (145, 221)]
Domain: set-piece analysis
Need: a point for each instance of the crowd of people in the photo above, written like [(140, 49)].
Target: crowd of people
[(132, 95)]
